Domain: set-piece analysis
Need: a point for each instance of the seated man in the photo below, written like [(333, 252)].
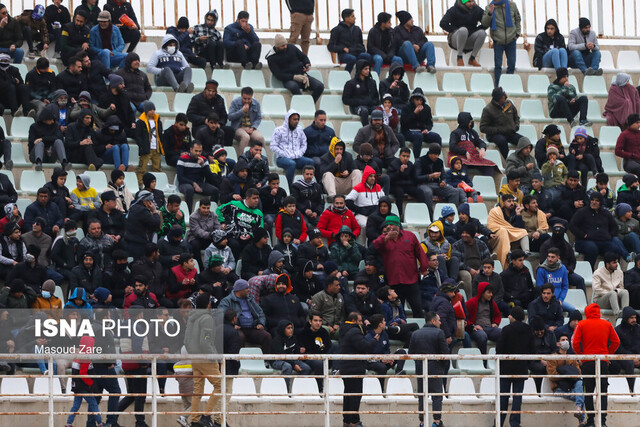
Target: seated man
[(584, 51), (46, 140), (334, 217), (629, 333), (523, 162), (207, 40), (136, 82), (596, 231), (429, 176), (364, 197), (206, 102), (84, 198), (11, 36), (535, 222), (547, 307), (412, 45), (471, 252), (242, 43), (395, 86), (346, 41), (565, 250), (319, 137), (417, 123), (308, 194), (363, 301), (283, 305), (381, 137), (377, 327), (112, 220), (172, 215), (255, 255), (177, 139), (272, 199), (181, 32), (170, 67), (289, 65), (13, 92), (97, 243), (289, 144), (564, 103), (245, 118), (360, 93), (80, 142), (329, 304), (402, 172), (257, 163), (381, 47), (483, 317), (106, 37), (608, 285), (552, 271), (241, 219), (516, 278), (41, 83), (123, 13), (193, 172), (235, 185), (487, 274), (500, 121), (507, 222), (119, 102)]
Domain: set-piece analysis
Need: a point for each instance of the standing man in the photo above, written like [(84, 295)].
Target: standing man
[(412, 45), (466, 33), (122, 12), (401, 253), (504, 18), (346, 41), (301, 19), (430, 339), (595, 336), (584, 50)]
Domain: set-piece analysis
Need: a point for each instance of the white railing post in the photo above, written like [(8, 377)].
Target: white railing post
[(425, 390), (154, 397), (497, 390), (325, 391), (50, 384), (598, 390), (223, 385)]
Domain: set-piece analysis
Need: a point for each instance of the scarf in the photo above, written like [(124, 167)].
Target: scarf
[(105, 36), (507, 13), (551, 267), (395, 308)]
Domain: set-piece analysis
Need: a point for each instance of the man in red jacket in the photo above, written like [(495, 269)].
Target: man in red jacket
[(401, 253), (595, 336), (628, 145), (483, 317), (335, 217)]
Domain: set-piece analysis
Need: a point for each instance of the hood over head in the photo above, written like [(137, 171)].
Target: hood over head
[(622, 79), (131, 56), (214, 14), (169, 38), (345, 229), (360, 64), (332, 145), (86, 180), (417, 93), (482, 286), (440, 227), (290, 113), (627, 312), (274, 257), (396, 68), (552, 22), (57, 94), (85, 112), (522, 144), (592, 311), (78, 292), (285, 276), (464, 119), (282, 325)]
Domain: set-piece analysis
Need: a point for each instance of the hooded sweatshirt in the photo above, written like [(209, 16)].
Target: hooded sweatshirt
[(544, 43), (629, 335), (440, 246), (364, 198), (162, 58), (204, 30), (472, 308), (358, 91), (328, 163), (332, 220), (517, 162), (556, 274), (594, 335), (86, 199), (400, 95), (282, 344), (421, 121), (289, 143)]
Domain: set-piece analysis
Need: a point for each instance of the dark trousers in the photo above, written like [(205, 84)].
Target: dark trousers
[(237, 245), (534, 245), (398, 191), (589, 368), (129, 35), (363, 111), (434, 386), (86, 155), (566, 110), (591, 249), (351, 403), (196, 61), (27, 34), (506, 384), (316, 87), (239, 54), (406, 330), (112, 387), (135, 386), (189, 191), (503, 141), (418, 138), (256, 336), (214, 53), (586, 165), (616, 366), (411, 294), (577, 281), (14, 96)]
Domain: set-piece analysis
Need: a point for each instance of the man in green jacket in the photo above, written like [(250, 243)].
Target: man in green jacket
[(240, 219), (564, 103), (503, 17), (199, 339), (500, 121)]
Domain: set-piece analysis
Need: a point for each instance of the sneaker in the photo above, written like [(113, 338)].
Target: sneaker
[(257, 66), (38, 165), (402, 372), (573, 123), (247, 66), (9, 165), (182, 88), (182, 420), (460, 62), (91, 167), (420, 69), (431, 69), (598, 72), (57, 55), (32, 113), (66, 165), (32, 53), (190, 88), (590, 72), (474, 63), (586, 123)]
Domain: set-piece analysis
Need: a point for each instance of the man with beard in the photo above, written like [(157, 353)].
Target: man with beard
[(584, 50), (509, 227), (283, 305), (207, 40), (118, 101), (309, 196), (206, 102), (376, 219), (143, 220), (112, 220), (98, 243), (141, 295), (362, 301), (572, 197), (470, 251), (380, 136), (150, 267), (117, 277), (535, 222)]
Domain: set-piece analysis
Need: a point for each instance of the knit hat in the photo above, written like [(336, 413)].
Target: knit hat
[(464, 209), (497, 93), (446, 211), (215, 261), (533, 175), (279, 41), (115, 80), (240, 285), (584, 22), (147, 179), (5, 58), (629, 179), (403, 16), (104, 16), (314, 234), (551, 130), (622, 209), (49, 285), (377, 115), (108, 195), (552, 149), (517, 313), (384, 17), (218, 236), (101, 294), (581, 131), (183, 22), (366, 149), (148, 106), (561, 72), (84, 96), (8, 209), (392, 220), (116, 174), (260, 233), (575, 315), (219, 151), (17, 286), (633, 118), (330, 267)]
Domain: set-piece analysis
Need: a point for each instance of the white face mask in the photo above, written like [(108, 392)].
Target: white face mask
[(171, 50), (564, 345)]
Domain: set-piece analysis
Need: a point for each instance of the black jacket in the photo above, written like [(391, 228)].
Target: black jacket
[(77, 132), (480, 228), (48, 133), (550, 312), (55, 13), (104, 137), (344, 36), (360, 92), (352, 341), (629, 335), (136, 83), (118, 9), (306, 7), (518, 285), (63, 255), (72, 83), (380, 42), (567, 255), (569, 196), (141, 224), (415, 36), (401, 93), (284, 64), (543, 43), (429, 340), (95, 77), (588, 224), (83, 278), (199, 108), (116, 280), (232, 345), (516, 338), (376, 219), (174, 142), (317, 342), (308, 252), (463, 133), (328, 163), (254, 259), (401, 179), (421, 121), (271, 205), (154, 273), (91, 13), (424, 167), (143, 138), (367, 307), (40, 85), (33, 277), (209, 139), (259, 168), (278, 307), (123, 107), (441, 304), (8, 194), (459, 16), (113, 223), (308, 196)]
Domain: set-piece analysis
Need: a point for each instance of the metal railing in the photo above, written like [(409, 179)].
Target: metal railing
[(325, 394), (611, 19)]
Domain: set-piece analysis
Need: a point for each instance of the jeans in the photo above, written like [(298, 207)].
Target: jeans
[(350, 60), (498, 51), (591, 249), (17, 54), (589, 368), (409, 55), (290, 166), (481, 336), (112, 387), (118, 154), (113, 59), (578, 398), (506, 385), (503, 141), (168, 78), (566, 110), (418, 138), (287, 368), (316, 87), (632, 242), (93, 407), (583, 59), (378, 61), (556, 58)]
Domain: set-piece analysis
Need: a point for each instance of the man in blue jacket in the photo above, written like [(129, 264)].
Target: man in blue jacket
[(242, 43), (552, 271), (319, 136), (106, 36), (547, 307)]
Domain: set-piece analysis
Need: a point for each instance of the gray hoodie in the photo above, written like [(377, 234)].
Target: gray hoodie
[(518, 163), (162, 58)]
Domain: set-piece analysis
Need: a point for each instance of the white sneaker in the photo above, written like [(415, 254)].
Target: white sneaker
[(183, 421)]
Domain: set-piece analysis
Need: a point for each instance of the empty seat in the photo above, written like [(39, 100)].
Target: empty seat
[(610, 164), (454, 83), (486, 186), (481, 83), (226, 79), (583, 269), (400, 390), (145, 50), (181, 104), (437, 210), (254, 79), (18, 155), (348, 131), (9, 175), (441, 59), (319, 55), (15, 387), (417, 215), (474, 106), (487, 60), (316, 74), (427, 82), (372, 391), (619, 391), (336, 389), (334, 107), (304, 105), (537, 84), (473, 367), (530, 132), (22, 68), (244, 391), (306, 389), (198, 78), (447, 108), (479, 211), (609, 136), (462, 390), (337, 80), (23, 204), (495, 157), (594, 86), (606, 61), (593, 112), (162, 183), (98, 180), (31, 180), (530, 391), (273, 106), (576, 298), (161, 102), (253, 366), (523, 63), (274, 390), (443, 130), (512, 84), (20, 127), (628, 60), (531, 109), (41, 385)]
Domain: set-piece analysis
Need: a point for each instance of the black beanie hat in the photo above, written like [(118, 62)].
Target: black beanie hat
[(584, 22), (183, 22), (403, 16), (632, 119), (147, 179)]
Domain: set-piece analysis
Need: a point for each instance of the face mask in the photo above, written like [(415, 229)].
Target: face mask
[(171, 50), (71, 234), (46, 294), (4, 66), (564, 345)]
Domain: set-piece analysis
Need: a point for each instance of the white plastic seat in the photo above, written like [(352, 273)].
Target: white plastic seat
[(20, 127), (619, 391), (530, 391), (274, 390), (628, 60), (161, 102), (512, 84), (336, 389), (454, 83), (608, 136), (523, 63), (304, 105), (417, 215), (337, 80), (372, 391), (594, 114), (273, 106), (31, 180), (531, 109), (198, 78), (320, 56), (254, 366), (23, 204), (481, 84), (594, 86), (487, 188), (475, 107), (266, 128), (495, 157), (334, 107), (537, 84), (400, 390), (479, 211), (462, 390), (226, 80), (437, 211), (98, 180), (306, 389), (441, 59), (254, 79), (180, 105), (18, 155), (244, 391), (576, 298), (13, 387), (530, 132), (610, 164), (487, 60), (474, 367), (447, 108), (145, 50), (427, 82)]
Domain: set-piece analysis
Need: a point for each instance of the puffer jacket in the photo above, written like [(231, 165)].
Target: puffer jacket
[(421, 121), (287, 143), (360, 92), (41, 85), (119, 8), (503, 34), (346, 257)]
